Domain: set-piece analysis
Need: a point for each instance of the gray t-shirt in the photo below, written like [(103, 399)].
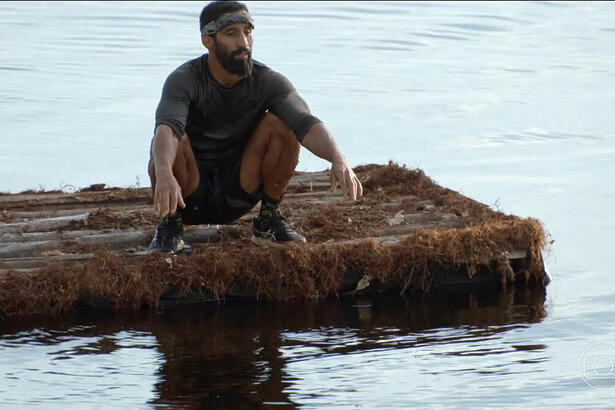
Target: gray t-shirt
[(220, 120)]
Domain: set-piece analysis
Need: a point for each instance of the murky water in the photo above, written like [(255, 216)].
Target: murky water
[(509, 103)]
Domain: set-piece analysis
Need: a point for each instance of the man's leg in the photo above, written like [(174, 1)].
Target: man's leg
[(269, 161), (169, 233)]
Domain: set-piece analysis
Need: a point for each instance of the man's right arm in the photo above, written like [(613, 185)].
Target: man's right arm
[(167, 193), (171, 115)]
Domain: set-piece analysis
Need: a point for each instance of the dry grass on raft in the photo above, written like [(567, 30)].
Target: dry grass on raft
[(302, 272), (104, 218), (297, 272)]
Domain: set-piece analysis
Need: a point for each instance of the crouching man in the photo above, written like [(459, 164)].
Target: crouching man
[(228, 134)]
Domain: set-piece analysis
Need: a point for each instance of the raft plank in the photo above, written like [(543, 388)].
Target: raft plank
[(108, 240), (115, 197), (22, 216), (70, 200), (42, 224)]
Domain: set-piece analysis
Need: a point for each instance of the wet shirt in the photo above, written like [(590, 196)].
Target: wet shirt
[(219, 120)]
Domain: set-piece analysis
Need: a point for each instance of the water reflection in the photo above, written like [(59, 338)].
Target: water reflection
[(237, 354)]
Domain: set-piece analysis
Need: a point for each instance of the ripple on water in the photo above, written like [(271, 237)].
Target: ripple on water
[(476, 27), (442, 36), (530, 137)]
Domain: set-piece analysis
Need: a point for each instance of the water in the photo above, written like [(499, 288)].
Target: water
[(509, 103)]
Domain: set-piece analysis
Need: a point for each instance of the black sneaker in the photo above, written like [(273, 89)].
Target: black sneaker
[(169, 238), (274, 230)]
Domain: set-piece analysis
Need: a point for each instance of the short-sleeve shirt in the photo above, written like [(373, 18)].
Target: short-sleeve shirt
[(220, 120)]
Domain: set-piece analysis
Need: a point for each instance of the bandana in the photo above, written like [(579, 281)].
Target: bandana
[(224, 20)]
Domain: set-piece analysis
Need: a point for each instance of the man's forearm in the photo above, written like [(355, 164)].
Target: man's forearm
[(164, 150), (322, 144)]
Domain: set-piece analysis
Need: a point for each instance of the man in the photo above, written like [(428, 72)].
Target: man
[(228, 134)]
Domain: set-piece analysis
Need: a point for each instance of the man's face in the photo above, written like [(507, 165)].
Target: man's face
[(233, 48)]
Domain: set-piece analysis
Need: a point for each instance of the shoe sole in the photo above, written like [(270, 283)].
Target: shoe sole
[(257, 240), (186, 250)]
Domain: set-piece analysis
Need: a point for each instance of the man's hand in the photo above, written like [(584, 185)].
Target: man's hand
[(168, 195), (322, 144), (342, 174)]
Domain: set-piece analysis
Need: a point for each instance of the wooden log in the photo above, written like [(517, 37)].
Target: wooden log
[(51, 213), (107, 240), (21, 237), (45, 224), (39, 263), (121, 197), (60, 222), (21, 270), (305, 178), (42, 261), (401, 224), (396, 205), (394, 239), (74, 200)]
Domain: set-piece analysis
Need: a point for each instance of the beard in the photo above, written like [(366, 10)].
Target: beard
[(230, 63)]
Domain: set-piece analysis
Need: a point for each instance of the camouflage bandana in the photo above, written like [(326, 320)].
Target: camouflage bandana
[(224, 20)]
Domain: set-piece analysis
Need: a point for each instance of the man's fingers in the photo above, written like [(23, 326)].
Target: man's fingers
[(350, 189), (180, 201), (344, 181), (160, 202), (172, 204), (156, 200), (352, 186), (358, 189), (163, 206), (348, 185), (343, 175)]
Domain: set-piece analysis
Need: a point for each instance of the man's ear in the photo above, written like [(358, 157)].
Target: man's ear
[(208, 42)]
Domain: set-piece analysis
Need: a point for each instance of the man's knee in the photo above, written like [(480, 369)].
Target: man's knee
[(184, 167), (279, 130)]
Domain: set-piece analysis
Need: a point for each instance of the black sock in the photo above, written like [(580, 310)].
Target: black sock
[(175, 219), (269, 206)]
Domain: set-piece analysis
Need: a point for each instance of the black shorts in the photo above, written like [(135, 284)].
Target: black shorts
[(219, 199)]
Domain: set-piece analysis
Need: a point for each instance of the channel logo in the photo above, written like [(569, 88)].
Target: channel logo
[(597, 365)]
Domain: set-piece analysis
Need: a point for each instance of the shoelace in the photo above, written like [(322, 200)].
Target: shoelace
[(281, 221), (170, 228)]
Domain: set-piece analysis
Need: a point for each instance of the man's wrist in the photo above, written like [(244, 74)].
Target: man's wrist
[(339, 158), (164, 173)]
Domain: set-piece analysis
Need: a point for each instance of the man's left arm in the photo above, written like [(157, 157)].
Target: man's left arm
[(322, 144), (286, 103)]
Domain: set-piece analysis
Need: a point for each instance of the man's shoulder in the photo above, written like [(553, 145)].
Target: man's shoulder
[(260, 70), (265, 74), (193, 67)]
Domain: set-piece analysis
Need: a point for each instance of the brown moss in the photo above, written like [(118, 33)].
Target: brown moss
[(106, 218), (332, 222), (93, 188), (393, 179), (293, 272)]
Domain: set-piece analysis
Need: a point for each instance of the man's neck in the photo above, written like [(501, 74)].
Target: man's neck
[(220, 74)]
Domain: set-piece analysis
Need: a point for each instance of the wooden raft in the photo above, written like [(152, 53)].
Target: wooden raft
[(60, 250)]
